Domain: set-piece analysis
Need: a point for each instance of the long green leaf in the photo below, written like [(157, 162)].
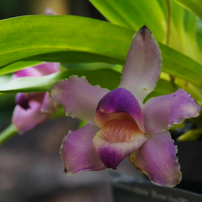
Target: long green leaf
[(133, 14), (183, 28), (181, 66), (58, 38), (17, 66), (106, 78), (153, 13), (194, 5), (81, 39)]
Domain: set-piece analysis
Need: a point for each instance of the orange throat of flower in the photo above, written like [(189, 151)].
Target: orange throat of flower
[(120, 131)]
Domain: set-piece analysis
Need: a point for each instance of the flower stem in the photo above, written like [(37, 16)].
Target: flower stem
[(168, 22), (172, 78), (9, 132), (191, 135)]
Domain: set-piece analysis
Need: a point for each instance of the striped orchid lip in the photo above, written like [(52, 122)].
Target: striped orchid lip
[(119, 124)]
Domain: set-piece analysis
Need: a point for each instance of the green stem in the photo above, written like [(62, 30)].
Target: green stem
[(172, 78), (191, 135), (8, 133), (168, 22)]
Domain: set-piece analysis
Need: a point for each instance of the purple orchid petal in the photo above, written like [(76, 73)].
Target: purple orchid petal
[(26, 120), (117, 140), (78, 152), (162, 112), (48, 106), (30, 71), (117, 101), (48, 68), (157, 159), (22, 99), (78, 97), (142, 68)]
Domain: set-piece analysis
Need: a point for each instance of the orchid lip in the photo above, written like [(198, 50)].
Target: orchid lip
[(101, 119), (120, 131), (119, 104)]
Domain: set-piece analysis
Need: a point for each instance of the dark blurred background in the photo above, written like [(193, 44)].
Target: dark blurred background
[(30, 165), (12, 8)]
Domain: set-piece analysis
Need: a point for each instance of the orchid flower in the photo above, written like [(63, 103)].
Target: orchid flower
[(33, 108), (119, 124)]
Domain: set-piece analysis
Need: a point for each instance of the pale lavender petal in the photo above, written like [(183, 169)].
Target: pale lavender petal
[(78, 97), (22, 99), (116, 101), (160, 113), (157, 159), (78, 153), (48, 68), (112, 153), (49, 11), (48, 106), (30, 71), (142, 68), (26, 120)]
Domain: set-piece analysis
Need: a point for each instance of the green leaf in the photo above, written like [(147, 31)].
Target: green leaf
[(106, 78), (41, 38), (153, 13), (87, 66), (5, 79), (18, 66), (179, 65), (193, 5), (183, 26), (82, 123), (134, 14), (62, 39)]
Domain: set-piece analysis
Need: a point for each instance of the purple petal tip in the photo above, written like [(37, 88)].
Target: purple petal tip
[(144, 30)]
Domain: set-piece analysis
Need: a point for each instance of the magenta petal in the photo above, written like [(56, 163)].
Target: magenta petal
[(30, 71), (48, 106), (26, 120), (112, 154), (78, 153), (48, 68), (78, 97), (162, 112), (142, 68), (22, 99), (157, 158), (121, 100)]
